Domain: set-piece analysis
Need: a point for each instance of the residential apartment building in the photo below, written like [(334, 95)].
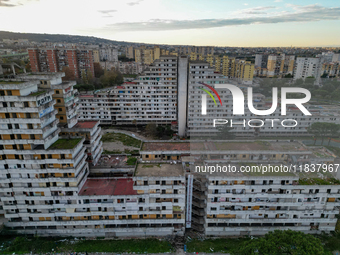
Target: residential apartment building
[(243, 72), (148, 55), (331, 69), (80, 61), (130, 53), (238, 69), (39, 170), (269, 65), (44, 184), (251, 203), (108, 53), (124, 67), (152, 97), (308, 67)]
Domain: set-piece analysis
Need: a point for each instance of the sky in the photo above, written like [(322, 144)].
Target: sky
[(240, 23)]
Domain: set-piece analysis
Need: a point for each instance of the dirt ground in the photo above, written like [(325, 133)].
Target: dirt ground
[(119, 146)]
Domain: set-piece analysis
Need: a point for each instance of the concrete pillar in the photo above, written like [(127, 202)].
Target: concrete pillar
[(182, 94), (13, 69)]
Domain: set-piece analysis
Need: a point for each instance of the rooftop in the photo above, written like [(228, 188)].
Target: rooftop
[(10, 82), (65, 144), (85, 124), (111, 187), (111, 161), (37, 93), (159, 170), (224, 146)]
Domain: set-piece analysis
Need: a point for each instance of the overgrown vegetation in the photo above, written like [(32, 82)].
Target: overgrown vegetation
[(101, 79), (318, 181), (118, 137), (215, 245), (131, 161), (65, 144), (335, 150), (126, 151), (278, 242), (36, 245)]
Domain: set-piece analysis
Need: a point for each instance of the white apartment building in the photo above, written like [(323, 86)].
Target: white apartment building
[(108, 53), (202, 125), (152, 97), (252, 204), (44, 184), (124, 67), (307, 67)]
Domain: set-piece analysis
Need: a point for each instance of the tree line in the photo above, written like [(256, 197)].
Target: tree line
[(101, 79)]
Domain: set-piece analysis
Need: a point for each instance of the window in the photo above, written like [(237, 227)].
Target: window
[(57, 92)]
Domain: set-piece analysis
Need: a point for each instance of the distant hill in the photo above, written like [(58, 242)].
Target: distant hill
[(57, 38)]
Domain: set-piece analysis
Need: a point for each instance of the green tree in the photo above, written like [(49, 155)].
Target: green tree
[(89, 76), (225, 133), (283, 242), (134, 122), (98, 70), (111, 78), (151, 129), (324, 129), (69, 75)]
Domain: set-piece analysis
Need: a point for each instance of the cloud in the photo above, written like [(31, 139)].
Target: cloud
[(107, 13), (245, 4), (134, 3), (5, 3), (302, 14), (277, 1), (262, 8), (253, 12)]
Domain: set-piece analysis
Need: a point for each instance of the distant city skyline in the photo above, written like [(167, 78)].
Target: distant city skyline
[(267, 23)]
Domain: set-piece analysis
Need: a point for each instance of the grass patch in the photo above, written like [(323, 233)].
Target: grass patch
[(318, 181), (37, 93), (126, 151), (215, 245), (21, 245), (111, 152), (131, 161), (151, 166), (125, 139), (65, 144), (333, 149)]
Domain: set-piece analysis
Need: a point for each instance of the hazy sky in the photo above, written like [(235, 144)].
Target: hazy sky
[(192, 22)]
